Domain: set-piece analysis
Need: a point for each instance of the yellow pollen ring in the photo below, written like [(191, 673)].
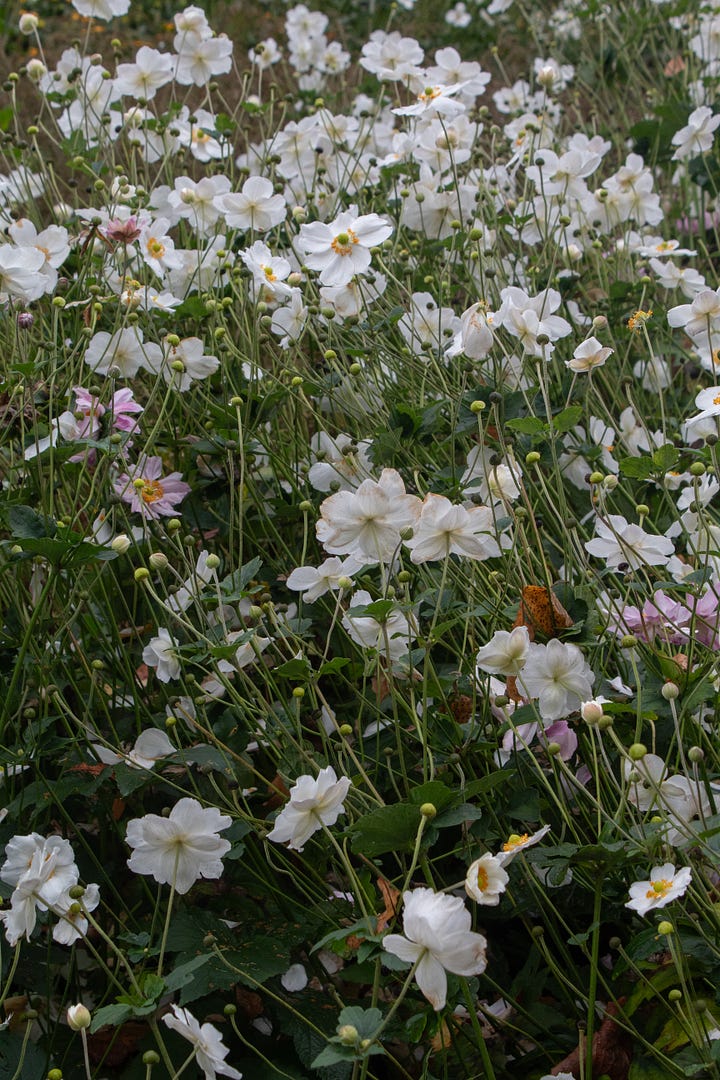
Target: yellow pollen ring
[(151, 491), (658, 888), (515, 841), (342, 244)]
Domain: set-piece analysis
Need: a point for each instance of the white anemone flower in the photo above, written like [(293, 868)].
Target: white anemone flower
[(437, 938), (181, 848), (665, 884), (313, 804)]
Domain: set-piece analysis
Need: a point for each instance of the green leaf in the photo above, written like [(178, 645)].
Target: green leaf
[(331, 667), (331, 1055), (27, 524), (666, 457), (434, 792), (234, 585), (637, 468), (185, 973), (112, 1015), (527, 425), (367, 1021), (568, 418), (297, 669), (458, 815), (390, 828)]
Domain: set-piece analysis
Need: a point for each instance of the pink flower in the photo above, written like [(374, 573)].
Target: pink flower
[(149, 492), (122, 406)]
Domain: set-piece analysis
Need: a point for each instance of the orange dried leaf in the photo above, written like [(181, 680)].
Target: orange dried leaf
[(390, 896), (541, 610)]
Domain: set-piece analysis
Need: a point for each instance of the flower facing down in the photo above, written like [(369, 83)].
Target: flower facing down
[(313, 803), (180, 848), (437, 939), (210, 1050), (486, 880), (665, 884)]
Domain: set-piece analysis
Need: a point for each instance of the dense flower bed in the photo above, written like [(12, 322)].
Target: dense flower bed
[(360, 547)]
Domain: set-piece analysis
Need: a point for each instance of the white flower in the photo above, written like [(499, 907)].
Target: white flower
[(590, 354), (392, 635), (341, 249), (314, 583), (558, 676), (255, 206), (486, 880), (367, 522), (125, 350), (294, 979), (516, 843), (505, 653), (160, 654), (665, 884), (697, 136), (313, 803), (180, 848), (444, 529), (101, 9), (708, 401), (151, 70), (437, 938), (210, 1050), (621, 543)]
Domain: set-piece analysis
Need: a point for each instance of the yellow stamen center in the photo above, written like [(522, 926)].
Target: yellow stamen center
[(155, 248), (482, 878), (514, 841), (658, 888), (342, 244), (151, 491)]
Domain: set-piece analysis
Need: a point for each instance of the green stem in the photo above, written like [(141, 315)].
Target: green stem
[(489, 1073)]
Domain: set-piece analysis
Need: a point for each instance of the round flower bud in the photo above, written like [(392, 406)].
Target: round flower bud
[(599, 322), (538, 931), (591, 711), (355, 369), (36, 70), (298, 692), (670, 691), (428, 810), (345, 583), (348, 1034), (151, 1057), (407, 533), (28, 23), (614, 942), (637, 751), (606, 721), (697, 469), (532, 458), (78, 1017), (141, 574), (596, 478), (345, 730), (477, 406), (696, 754), (665, 927), (120, 543), (306, 506), (628, 641), (675, 995), (553, 749), (230, 1010), (158, 561), (212, 562), (642, 509), (610, 482), (404, 576)]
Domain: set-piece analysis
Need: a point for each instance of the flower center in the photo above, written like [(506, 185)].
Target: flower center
[(514, 841), (638, 319), (482, 878), (429, 93), (716, 399), (268, 272), (155, 248), (342, 244), (658, 888), (151, 491)]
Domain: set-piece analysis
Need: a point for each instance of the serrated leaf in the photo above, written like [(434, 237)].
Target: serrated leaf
[(110, 1015), (527, 425), (389, 828), (666, 457), (27, 524), (637, 468), (434, 792), (568, 418)]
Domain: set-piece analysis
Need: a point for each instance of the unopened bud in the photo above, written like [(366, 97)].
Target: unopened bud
[(78, 1017)]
